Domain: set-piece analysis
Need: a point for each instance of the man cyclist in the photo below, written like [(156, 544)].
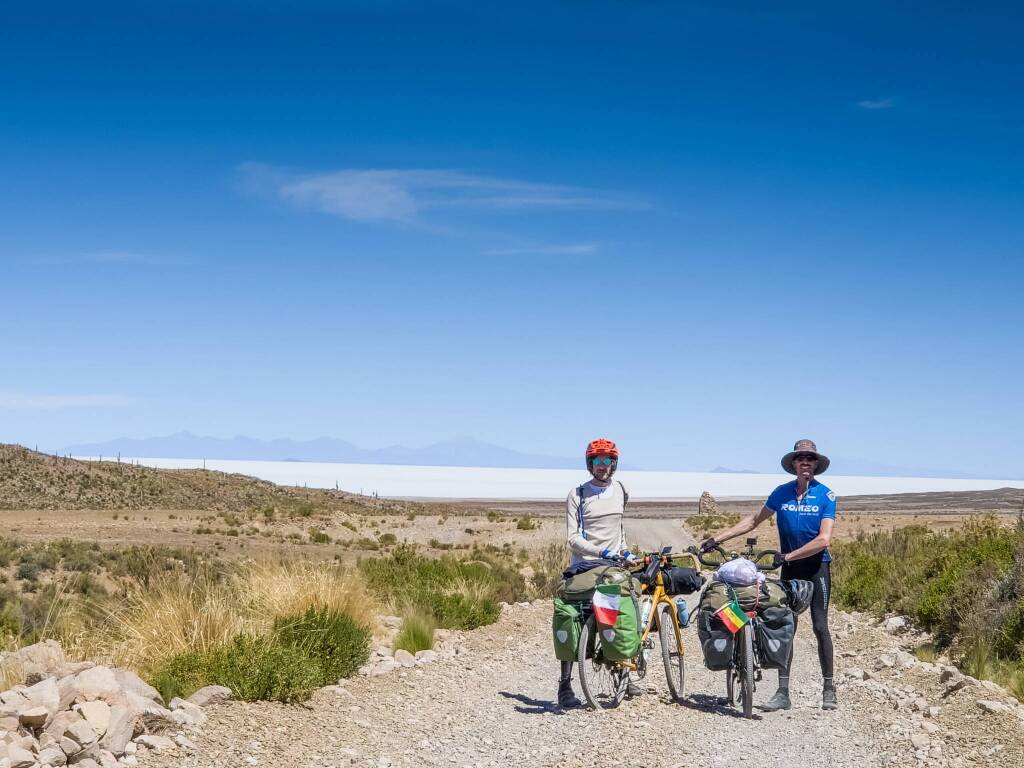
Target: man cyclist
[(593, 521), (806, 513)]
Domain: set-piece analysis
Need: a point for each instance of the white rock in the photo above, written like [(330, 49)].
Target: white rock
[(392, 622), (885, 661), (211, 694), (933, 712), (119, 731), (894, 625), (52, 756), (129, 681), (183, 741), (81, 732), (96, 713), (929, 727), (919, 740), (97, 683), (426, 656), (152, 741), (193, 713), (45, 694), (405, 658), (20, 757)]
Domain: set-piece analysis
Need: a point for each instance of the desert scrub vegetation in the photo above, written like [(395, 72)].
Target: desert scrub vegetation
[(964, 586), (459, 593), (705, 525), (417, 631)]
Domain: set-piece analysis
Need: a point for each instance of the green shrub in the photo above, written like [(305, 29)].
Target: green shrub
[(526, 523), (459, 594), (333, 640), (417, 632), (318, 537), (387, 539), (254, 668)]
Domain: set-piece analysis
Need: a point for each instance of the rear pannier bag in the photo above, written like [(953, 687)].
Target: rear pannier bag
[(681, 581), (565, 629), (775, 628), (715, 640), (621, 641)]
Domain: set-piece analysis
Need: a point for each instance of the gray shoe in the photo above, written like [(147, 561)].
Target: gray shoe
[(828, 699), (566, 698), (779, 701)]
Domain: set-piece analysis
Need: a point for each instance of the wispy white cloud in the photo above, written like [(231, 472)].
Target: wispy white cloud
[(877, 103), (576, 249), (22, 401), (404, 196)]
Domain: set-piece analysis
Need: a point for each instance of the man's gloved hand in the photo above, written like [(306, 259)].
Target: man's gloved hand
[(778, 560), (708, 545), (628, 556), (606, 553)]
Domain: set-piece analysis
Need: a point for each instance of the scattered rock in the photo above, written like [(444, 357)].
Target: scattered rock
[(405, 658), (97, 683), (211, 694), (895, 625), (20, 757), (919, 741), (426, 656), (707, 504), (96, 713), (885, 661), (34, 717), (153, 741)]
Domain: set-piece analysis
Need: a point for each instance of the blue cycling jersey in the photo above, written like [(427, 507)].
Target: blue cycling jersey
[(799, 522)]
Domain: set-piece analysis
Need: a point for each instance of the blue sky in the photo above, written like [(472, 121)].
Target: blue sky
[(701, 229)]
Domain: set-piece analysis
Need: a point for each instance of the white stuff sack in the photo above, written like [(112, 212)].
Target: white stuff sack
[(739, 572)]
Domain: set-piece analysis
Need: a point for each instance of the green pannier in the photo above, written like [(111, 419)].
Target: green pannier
[(622, 641), (565, 629), (770, 594), (581, 587)]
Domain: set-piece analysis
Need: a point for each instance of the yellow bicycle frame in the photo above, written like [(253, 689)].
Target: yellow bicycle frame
[(659, 597)]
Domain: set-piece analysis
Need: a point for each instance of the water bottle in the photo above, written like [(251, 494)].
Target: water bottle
[(683, 612), (645, 613)]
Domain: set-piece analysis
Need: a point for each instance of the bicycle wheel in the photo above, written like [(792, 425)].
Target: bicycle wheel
[(603, 681), (746, 640), (671, 653), (730, 685)]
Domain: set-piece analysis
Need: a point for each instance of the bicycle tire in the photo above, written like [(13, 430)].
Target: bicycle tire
[(747, 668), (603, 682), (671, 654), (730, 685)]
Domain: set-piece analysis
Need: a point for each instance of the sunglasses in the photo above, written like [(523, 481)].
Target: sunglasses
[(805, 457), (605, 461)]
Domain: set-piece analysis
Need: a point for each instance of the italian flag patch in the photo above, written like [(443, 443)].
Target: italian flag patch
[(606, 604), (733, 616)]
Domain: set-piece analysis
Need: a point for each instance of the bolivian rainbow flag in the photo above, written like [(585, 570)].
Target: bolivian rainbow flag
[(733, 616), (606, 604)]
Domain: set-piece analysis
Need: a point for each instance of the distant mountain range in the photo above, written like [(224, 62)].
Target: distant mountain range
[(458, 452)]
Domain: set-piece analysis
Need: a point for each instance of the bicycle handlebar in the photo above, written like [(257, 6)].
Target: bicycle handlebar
[(732, 556)]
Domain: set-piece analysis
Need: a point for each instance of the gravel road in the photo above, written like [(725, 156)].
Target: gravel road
[(492, 705)]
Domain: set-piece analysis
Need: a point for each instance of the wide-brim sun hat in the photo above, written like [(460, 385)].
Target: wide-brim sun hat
[(805, 446)]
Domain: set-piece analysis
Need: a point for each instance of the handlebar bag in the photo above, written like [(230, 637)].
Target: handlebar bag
[(565, 629), (681, 581), (775, 629), (715, 640)]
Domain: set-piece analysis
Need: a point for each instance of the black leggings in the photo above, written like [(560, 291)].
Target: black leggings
[(820, 574)]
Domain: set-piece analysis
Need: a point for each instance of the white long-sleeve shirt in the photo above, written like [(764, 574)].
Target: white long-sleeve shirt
[(595, 524)]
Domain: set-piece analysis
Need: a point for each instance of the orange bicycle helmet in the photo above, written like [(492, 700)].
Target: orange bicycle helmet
[(602, 447)]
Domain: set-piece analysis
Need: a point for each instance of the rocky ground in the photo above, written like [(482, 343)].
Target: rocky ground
[(487, 700)]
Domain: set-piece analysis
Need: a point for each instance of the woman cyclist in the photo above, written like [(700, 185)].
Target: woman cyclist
[(806, 513), (593, 521)]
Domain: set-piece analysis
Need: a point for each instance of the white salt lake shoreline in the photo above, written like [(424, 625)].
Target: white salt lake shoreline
[(420, 482)]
